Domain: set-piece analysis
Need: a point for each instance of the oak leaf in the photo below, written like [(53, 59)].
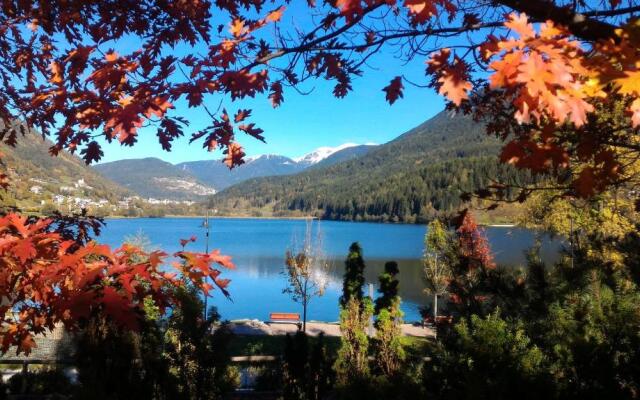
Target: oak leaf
[(394, 90)]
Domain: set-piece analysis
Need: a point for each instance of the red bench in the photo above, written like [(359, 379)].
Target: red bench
[(442, 319), (286, 318)]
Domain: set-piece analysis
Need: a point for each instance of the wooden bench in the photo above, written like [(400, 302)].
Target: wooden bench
[(285, 318), (442, 319)]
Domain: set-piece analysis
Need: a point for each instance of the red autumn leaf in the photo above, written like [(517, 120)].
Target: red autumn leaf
[(276, 94), (241, 115), (24, 249), (394, 90), (67, 282), (350, 9), (92, 152), (119, 309), (250, 129), (78, 59), (194, 97), (158, 107), (421, 10), (241, 84), (584, 183)]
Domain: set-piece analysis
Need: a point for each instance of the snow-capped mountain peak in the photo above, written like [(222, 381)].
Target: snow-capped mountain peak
[(273, 157), (321, 153)]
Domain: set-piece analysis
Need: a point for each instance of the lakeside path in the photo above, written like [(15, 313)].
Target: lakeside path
[(314, 328)]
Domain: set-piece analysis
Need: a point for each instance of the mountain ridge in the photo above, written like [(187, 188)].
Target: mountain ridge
[(192, 179), (412, 178), (151, 177)]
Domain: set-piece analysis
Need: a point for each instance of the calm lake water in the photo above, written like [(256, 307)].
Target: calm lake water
[(257, 247)]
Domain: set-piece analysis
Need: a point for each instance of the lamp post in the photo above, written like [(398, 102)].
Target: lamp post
[(206, 226)]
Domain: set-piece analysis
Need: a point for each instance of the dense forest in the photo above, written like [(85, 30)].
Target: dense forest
[(411, 179)]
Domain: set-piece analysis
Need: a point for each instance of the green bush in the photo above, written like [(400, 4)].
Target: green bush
[(52, 382)]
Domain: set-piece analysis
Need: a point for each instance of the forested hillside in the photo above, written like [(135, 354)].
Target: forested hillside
[(418, 175), (155, 178), (39, 180)]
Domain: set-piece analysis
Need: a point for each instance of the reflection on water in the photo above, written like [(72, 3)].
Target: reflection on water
[(258, 247)]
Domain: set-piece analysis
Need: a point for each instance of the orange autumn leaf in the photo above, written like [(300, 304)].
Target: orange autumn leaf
[(275, 15), (234, 154), (452, 78), (237, 27), (542, 71), (519, 23), (629, 83), (57, 70), (455, 87)]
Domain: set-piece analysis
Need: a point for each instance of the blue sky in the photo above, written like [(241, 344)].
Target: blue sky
[(305, 122)]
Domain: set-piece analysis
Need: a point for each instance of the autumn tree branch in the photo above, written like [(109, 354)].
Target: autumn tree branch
[(579, 24)]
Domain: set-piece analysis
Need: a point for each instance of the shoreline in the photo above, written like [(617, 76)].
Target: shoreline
[(256, 327), (292, 218), (215, 217)]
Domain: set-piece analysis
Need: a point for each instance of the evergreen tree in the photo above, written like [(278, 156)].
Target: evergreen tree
[(199, 359), (352, 365), (354, 276), (388, 287), (389, 351)]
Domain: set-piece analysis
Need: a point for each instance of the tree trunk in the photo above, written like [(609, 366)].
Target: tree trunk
[(435, 307), (304, 317)]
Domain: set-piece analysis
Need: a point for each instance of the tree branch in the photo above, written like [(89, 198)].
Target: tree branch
[(579, 24)]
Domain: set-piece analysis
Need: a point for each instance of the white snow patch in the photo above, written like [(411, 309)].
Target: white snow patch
[(321, 153)]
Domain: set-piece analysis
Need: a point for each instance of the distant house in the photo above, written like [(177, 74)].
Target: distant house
[(82, 201), (67, 189), (36, 189), (80, 183)]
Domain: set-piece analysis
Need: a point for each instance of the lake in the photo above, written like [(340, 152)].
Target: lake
[(258, 246)]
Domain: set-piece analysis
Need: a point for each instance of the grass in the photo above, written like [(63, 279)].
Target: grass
[(246, 345)]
